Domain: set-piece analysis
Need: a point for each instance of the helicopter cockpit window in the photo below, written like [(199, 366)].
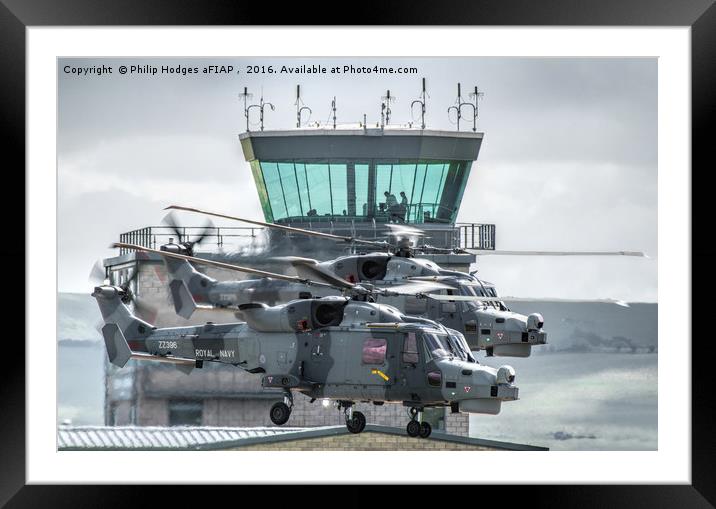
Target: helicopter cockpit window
[(460, 347), (374, 351), (410, 349), (472, 291), (437, 345)]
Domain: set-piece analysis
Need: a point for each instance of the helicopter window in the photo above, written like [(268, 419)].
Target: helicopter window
[(410, 349), (374, 351), (460, 347), (437, 345), (435, 378)]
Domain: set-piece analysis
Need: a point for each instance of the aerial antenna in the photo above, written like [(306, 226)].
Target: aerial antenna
[(385, 109), (300, 108), (458, 109), (260, 106), (333, 108), (421, 102), (476, 95), (245, 94)]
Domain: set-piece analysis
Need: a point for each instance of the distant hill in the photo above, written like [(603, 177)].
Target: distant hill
[(77, 317), (584, 326)]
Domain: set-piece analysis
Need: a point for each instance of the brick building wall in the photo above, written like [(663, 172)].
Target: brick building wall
[(366, 441)]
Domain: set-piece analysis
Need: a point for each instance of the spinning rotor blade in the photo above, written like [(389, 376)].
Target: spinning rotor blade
[(402, 230), (238, 268), (330, 236), (171, 221), (98, 274), (483, 252)]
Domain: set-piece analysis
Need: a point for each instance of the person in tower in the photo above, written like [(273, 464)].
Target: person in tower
[(403, 206), (391, 204)]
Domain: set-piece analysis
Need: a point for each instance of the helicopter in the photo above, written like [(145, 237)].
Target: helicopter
[(462, 301), (333, 348)]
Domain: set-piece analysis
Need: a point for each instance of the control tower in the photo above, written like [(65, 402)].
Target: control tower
[(355, 180)]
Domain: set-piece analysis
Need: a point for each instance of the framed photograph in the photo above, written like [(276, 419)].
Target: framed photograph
[(386, 244)]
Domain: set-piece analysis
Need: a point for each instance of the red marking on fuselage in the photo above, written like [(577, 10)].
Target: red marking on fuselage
[(137, 345)]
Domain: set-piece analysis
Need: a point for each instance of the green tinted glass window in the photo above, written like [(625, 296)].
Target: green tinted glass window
[(320, 188), (339, 189), (289, 187), (361, 189), (273, 189), (304, 193), (356, 189)]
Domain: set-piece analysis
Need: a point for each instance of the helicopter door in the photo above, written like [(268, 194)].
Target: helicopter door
[(368, 364), (412, 366), (325, 362)]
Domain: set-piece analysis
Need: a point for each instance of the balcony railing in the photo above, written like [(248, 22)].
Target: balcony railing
[(156, 236), (458, 236), (476, 236)]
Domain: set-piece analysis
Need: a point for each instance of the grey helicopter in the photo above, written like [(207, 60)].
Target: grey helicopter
[(338, 348), (458, 300)]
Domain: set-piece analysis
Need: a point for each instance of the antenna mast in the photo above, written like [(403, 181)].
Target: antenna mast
[(260, 106), (421, 102), (333, 108), (476, 94), (385, 109), (299, 108), (245, 94), (458, 108)]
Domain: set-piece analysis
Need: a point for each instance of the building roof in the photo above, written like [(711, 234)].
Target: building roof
[(400, 143), (109, 438)]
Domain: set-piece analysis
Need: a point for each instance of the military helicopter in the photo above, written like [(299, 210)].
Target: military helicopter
[(463, 301), (334, 348)]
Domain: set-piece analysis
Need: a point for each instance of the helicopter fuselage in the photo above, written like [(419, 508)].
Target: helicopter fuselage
[(487, 326), (325, 348)]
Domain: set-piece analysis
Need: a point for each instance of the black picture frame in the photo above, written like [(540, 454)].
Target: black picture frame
[(700, 15)]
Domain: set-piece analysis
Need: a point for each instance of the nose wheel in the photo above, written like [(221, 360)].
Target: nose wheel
[(281, 411), (415, 427)]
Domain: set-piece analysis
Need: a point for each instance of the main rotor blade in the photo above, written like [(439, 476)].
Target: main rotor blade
[(413, 288), (228, 266), (617, 302), (282, 227), (475, 298), (484, 252), (462, 298)]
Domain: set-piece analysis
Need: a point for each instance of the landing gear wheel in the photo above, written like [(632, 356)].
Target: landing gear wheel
[(425, 429), (357, 423), (413, 429), (280, 412)]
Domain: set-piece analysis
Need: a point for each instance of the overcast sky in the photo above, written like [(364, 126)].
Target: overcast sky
[(568, 162)]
